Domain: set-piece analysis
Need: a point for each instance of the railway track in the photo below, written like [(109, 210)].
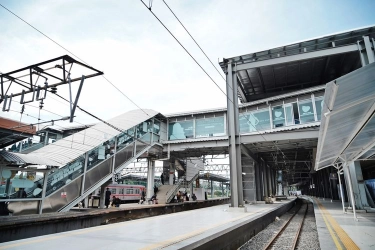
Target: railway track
[(288, 235)]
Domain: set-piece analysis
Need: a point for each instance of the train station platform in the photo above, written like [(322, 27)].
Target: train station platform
[(206, 228), (338, 230)]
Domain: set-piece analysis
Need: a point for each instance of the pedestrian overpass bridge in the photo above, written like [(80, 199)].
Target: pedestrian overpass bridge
[(79, 164)]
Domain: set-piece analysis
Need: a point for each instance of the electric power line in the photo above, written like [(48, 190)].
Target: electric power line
[(194, 40), (203, 69), (183, 47), (58, 44)]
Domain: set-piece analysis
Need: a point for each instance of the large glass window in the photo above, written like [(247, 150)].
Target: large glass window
[(60, 177), (156, 127), (209, 127), (278, 116), (181, 130), (319, 107), (291, 113), (306, 111), (255, 121)]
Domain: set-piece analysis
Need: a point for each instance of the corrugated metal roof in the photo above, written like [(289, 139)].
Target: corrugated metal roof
[(69, 148), (348, 127), (15, 158)]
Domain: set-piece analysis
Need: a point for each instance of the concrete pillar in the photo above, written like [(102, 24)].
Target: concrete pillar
[(102, 196), (86, 202), (212, 189), (191, 189), (150, 178), (233, 135)]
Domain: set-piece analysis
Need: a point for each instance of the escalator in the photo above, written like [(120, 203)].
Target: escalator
[(73, 182)]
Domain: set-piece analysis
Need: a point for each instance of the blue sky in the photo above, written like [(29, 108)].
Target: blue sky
[(125, 41)]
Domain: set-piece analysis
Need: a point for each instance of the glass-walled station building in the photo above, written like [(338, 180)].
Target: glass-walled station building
[(287, 111)]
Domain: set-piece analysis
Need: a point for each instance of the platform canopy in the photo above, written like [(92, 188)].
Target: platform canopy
[(297, 66), (16, 159), (347, 130)]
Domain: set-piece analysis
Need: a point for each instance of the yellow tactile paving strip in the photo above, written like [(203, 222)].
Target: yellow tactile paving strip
[(342, 239)]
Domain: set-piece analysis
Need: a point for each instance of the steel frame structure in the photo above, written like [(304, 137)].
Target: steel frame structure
[(55, 72)]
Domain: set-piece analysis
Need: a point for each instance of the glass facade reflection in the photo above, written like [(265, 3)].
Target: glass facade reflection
[(255, 121), (278, 116), (319, 107), (209, 127), (286, 114), (306, 111), (181, 130)]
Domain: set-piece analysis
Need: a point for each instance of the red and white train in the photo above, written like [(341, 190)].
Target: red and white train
[(125, 192)]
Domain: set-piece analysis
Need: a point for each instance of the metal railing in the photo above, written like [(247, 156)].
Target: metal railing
[(181, 182)]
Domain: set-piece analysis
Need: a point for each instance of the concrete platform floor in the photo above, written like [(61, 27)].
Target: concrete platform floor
[(340, 231), (171, 231)]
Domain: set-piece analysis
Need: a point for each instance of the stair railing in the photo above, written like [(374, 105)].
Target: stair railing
[(173, 191)]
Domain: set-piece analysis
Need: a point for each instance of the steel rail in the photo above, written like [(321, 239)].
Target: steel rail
[(273, 240), (299, 228)]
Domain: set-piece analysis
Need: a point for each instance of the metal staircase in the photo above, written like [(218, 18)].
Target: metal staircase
[(66, 186), (180, 184)]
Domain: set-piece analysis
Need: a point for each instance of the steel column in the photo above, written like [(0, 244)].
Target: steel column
[(369, 49), (45, 182), (84, 173), (233, 135), (114, 157)]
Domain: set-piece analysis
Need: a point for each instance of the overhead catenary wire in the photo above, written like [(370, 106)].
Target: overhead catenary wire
[(183, 47), (58, 44), (194, 40), (228, 98), (108, 79)]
